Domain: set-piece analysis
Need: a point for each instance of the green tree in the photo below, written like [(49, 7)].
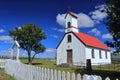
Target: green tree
[(113, 23), (29, 37)]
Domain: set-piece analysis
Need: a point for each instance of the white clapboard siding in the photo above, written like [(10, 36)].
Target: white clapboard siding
[(27, 72)]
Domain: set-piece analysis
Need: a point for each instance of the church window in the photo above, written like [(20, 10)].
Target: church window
[(93, 54), (69, 38), (106, 54), (100, 55), (69, 24)]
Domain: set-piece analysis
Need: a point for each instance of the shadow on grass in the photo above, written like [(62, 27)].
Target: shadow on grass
[(35, 63), (111, 74)]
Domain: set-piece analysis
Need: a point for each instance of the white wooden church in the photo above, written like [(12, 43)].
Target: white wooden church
[(76, 47)]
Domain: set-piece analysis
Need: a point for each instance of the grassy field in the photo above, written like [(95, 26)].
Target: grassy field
[(4, 76), (110, 70), (47, 63)]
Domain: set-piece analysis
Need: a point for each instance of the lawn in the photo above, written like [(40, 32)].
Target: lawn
[(48, 63), (110, 70), (4, 76)]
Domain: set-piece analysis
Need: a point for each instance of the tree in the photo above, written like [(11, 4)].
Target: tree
[(29, 37), (113, 23)]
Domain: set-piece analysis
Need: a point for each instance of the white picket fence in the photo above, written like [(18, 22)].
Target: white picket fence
[(2, 63), (26, 72)]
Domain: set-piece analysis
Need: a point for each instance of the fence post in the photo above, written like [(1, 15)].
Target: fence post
[(68, 76), (45, 74), (55, 74), (99, 78), (91, 77), (59, 75), (85, 77), (48, 74), (78, 77), (51, 73), (107, 78), (63, 76), (73, 76), (40, 73)]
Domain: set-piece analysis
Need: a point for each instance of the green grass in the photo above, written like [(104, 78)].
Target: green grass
[(47, 63), (110, 70), (4, 76)]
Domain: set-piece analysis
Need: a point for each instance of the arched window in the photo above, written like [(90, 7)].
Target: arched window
[(69, 24), (69, 38), (93, 54)]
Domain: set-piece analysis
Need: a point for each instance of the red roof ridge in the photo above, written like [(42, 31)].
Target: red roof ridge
[(71, 13), (91, 41)]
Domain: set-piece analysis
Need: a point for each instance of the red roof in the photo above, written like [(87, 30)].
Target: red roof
[(91, 41), (71, 13)]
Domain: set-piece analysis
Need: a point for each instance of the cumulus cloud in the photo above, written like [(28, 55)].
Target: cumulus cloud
[(60, 18), (106, 36), (2, 30), (98, 15), (50, 50), (95, 31), (5, 38), (59, 30), (19, 27), (83, 20), (54, 36)]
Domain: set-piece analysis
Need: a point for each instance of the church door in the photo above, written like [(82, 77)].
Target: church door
[(69, 56)]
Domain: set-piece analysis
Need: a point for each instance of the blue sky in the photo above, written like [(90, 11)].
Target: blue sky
[(49, 14)]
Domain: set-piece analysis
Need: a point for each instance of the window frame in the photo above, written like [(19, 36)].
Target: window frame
[(93, 53), (106, 56), (68, 24), (100, 55)]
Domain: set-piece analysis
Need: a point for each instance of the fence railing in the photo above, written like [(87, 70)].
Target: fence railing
[(27, 72), (102, 66)]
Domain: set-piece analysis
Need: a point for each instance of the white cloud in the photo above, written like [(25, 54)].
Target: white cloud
[(83, 20), (5, 38), (59, 30), (50, 50), (107, 36), (98, 15), (2, 30), (19, 27), (60, 18), (95, 31), (54, 36)]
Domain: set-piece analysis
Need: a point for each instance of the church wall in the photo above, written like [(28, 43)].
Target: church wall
[(61, 52), (74, 22), (78, 51), (97, 60), (68, 19)]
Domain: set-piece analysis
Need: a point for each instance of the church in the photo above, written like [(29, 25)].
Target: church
[(76, 47)]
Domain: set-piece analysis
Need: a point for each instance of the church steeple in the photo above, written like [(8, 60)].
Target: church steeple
[(71, 22)]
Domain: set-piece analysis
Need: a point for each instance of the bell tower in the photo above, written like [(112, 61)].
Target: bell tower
[(71, 23)]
